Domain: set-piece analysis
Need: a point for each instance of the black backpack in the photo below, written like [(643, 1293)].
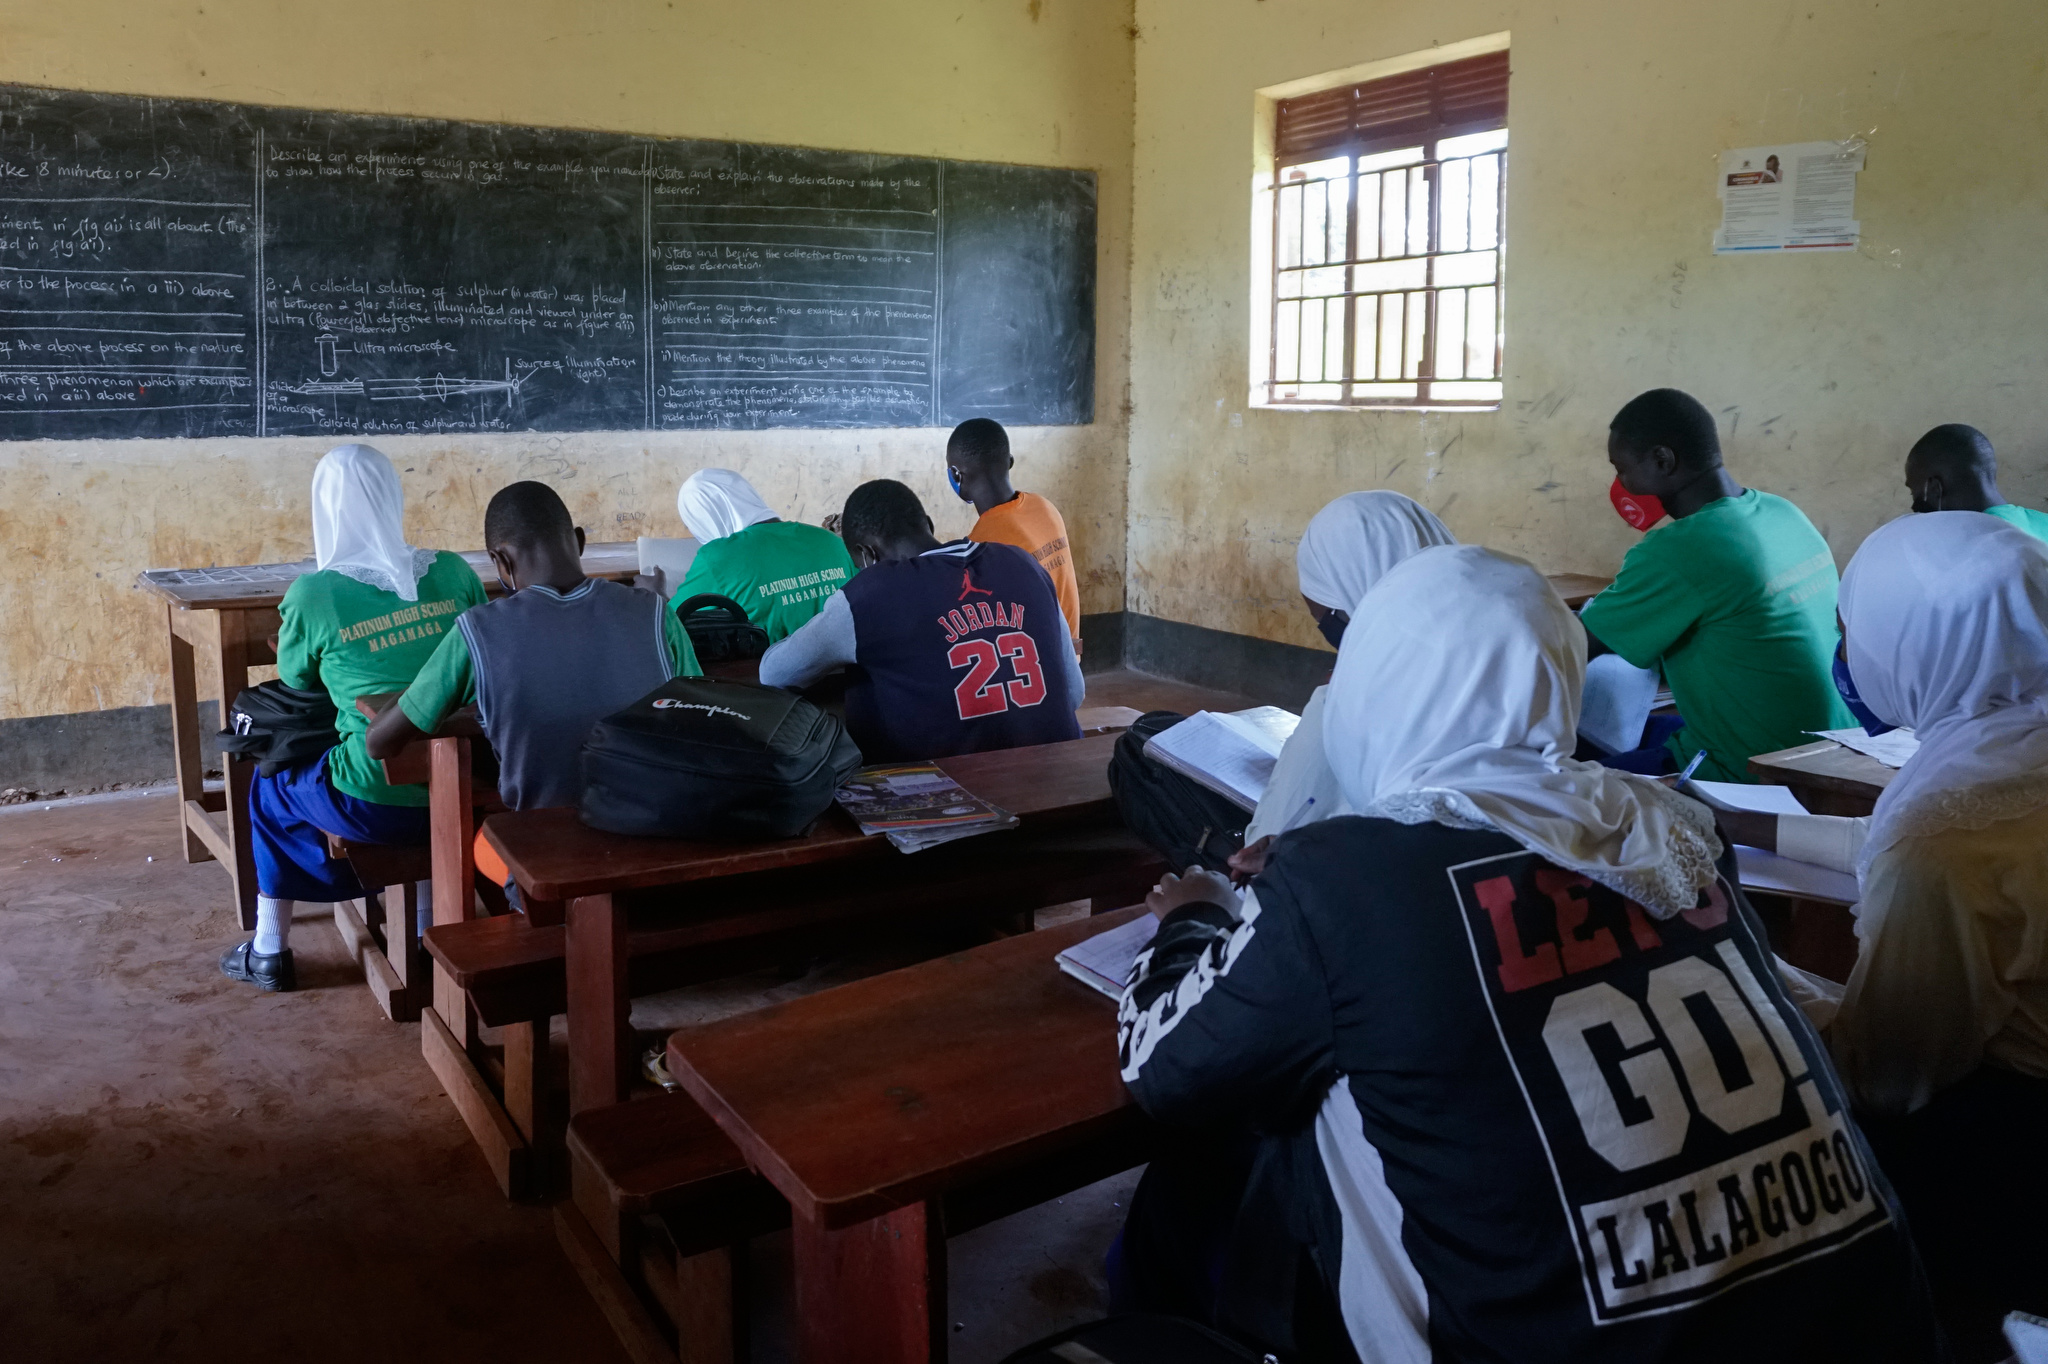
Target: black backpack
[(706, 757), (279, 727), (719, 629), (1185, 822)]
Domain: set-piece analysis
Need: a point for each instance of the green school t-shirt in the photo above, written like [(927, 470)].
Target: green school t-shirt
[(2026, 518), (1736, 603), (357, 640), (782, 572), (448, 679)]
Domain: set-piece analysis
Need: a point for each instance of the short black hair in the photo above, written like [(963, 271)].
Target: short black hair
[(1956, 453), (526, 514), (882, 510), (1673, 419), (980, 443)]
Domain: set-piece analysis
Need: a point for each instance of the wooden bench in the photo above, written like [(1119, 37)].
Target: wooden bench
[(661, 1205), (514, 972), (385, 941)]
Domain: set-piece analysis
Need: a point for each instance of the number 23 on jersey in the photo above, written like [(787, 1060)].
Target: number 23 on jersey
[(980, 692)]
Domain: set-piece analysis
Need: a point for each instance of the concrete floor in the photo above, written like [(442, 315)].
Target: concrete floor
[(193, 1170)]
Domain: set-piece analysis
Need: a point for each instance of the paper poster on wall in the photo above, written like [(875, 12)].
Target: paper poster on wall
[(1797, 196)]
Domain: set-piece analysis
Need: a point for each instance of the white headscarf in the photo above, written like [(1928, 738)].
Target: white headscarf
[(715, 503), (1456, 701), (1354, 540), (1944, 614), (359, 522)]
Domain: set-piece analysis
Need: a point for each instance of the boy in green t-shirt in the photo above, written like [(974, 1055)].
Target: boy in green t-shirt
[(1734, 600), (1954, 468), (781, 572), (363, 622)]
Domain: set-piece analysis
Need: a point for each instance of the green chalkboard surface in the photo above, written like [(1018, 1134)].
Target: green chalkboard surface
[(177, 268)]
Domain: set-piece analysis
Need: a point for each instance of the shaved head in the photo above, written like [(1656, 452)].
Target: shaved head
[(1953, 468)]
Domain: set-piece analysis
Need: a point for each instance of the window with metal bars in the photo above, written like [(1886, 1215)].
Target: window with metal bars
[(1387, 241)]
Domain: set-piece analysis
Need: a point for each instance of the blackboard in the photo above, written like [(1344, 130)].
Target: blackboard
[(177, 268)]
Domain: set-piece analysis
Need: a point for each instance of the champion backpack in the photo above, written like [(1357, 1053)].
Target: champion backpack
[(712, 758), (279, 727), (719, 630)]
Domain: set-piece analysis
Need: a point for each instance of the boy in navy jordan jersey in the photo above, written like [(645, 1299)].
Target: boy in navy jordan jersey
[(957, 648)]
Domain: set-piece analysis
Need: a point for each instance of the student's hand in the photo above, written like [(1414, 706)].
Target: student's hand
[(1750, 828), (1197, 887), (389, 733), (1250, 860)]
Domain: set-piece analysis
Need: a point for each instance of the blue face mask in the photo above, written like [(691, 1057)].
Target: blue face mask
[(1846, 685), (1332, 626), (953, 479)]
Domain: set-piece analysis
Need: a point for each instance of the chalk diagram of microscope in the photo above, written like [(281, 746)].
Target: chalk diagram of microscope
[(419, 388)]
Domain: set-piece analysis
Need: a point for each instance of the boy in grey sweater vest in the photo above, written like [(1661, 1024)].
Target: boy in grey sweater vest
[(546, 662)]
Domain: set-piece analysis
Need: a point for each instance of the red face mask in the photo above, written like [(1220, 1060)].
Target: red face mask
[(1638, 509)]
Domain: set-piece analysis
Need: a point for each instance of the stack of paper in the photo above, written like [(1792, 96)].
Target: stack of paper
[(1767, 871), (918, 806), (1892, 748), (1104, 961), (1615, 703), (1233, 755)]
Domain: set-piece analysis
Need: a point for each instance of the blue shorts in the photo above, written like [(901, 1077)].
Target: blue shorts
[(290, 816), (1653, 758)]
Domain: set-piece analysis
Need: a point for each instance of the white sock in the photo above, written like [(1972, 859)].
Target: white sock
[(273, 925), (425, 910)]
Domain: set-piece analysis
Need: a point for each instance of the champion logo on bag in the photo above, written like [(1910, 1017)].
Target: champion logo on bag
[(670, 703)]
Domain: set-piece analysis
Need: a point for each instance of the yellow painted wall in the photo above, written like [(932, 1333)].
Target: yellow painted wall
[(1045, 82), (1824, 368)]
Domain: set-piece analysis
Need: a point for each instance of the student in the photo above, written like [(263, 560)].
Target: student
[(780, 571), (978, 464), (959, 647), (1943, 1027), (547, 662), (1525, 1083), (1346, 548), (1954, 468), (1734, 600), (362, 622)]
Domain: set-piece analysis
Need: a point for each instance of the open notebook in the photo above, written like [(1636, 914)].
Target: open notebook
[(1767, 871), (1233, 755), (1103, 962), (672, 557)]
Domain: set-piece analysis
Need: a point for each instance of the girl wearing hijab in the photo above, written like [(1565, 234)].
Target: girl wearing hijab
[(1525, 1083), (1348, 546), (1945, 1017), (364, 621), (782, 572)]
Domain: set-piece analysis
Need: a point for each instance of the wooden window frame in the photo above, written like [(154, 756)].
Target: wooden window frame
[(1462, 98)]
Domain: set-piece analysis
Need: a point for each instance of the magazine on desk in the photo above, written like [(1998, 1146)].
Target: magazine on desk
[(918, 806)]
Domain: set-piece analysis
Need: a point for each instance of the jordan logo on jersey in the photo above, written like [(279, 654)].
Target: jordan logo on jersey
[(1696, 1137), (968, 589)]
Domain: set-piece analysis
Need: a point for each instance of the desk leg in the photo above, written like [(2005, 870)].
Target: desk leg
[(874, 1293), (185, 735), (601, 1060), (451, 800), (236, 648)]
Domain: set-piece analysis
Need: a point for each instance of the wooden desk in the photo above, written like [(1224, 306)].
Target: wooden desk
[(229, 615), (1578, 588), (885, 1110), (1828, 778), (558, 862)]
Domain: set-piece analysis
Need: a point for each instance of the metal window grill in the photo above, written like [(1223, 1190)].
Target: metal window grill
[(1387, 241)]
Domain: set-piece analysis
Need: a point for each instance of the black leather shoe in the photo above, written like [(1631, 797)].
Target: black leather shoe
[(274, 972)]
